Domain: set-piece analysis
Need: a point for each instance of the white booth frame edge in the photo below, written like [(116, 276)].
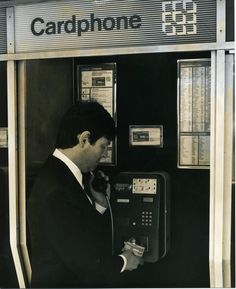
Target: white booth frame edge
[(220, 160)]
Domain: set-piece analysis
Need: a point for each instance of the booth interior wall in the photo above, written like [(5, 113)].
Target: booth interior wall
[(49, 94), (146, 95)]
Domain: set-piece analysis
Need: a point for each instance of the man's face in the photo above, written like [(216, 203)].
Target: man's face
[(94, 152)]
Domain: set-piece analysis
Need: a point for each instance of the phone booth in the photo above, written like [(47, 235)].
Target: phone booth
[(164, 70)]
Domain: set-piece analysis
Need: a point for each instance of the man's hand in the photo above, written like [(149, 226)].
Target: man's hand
[(99, 197), (132, 261)]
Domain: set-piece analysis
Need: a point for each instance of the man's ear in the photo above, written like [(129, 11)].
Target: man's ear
[(83, 138)]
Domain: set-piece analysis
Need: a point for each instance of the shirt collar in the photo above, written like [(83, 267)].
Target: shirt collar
[(72, 167)]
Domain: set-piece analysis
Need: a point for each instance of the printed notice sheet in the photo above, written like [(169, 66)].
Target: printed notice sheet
[(194, 113), (97, 83)]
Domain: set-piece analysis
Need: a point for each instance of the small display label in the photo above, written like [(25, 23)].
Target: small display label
[(146, 135), (122, 200), (139, 136), (148, 200), (144, 186), (3, 137), (98, 81)]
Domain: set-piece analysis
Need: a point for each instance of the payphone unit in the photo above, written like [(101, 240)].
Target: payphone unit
[(142, 212)]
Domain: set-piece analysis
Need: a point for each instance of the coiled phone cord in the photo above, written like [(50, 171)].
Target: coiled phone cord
[(100, 184), (112, 224)]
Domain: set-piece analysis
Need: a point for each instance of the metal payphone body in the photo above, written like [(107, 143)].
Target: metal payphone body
[(141, 209)]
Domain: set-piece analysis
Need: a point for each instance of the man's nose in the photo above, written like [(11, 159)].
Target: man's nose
[(105, 153)]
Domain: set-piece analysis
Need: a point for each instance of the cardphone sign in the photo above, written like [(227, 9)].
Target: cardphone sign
[(57, 25)]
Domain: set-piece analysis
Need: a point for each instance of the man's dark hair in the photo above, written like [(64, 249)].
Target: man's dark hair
[(85, 116)]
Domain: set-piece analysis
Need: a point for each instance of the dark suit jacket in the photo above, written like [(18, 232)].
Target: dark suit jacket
[(69, 242)]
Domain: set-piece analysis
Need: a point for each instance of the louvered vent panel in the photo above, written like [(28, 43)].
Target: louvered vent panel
[(3, 31)]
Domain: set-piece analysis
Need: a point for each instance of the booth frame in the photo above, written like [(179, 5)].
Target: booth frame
[(221, 157)]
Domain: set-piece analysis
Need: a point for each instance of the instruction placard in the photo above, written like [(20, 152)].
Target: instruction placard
[(98, 83), (194, 86)]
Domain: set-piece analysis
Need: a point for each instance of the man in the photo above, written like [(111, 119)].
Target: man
[(67, 219)]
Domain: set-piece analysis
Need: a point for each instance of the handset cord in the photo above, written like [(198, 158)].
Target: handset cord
[(112, 224), (112, 221)]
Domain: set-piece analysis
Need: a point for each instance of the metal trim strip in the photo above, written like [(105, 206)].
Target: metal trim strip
[(118, 51)]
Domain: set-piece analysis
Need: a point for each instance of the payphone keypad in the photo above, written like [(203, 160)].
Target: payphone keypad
[(146, 219)]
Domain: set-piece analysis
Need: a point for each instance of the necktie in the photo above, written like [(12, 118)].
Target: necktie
[(85, 181)]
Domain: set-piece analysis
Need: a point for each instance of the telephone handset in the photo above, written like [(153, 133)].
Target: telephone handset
[(99, 182)]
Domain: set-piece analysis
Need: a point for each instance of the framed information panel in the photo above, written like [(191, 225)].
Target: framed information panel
[(194, 105), (98, 83)]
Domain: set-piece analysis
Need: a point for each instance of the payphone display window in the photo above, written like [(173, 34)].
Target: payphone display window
[(144, 186)]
